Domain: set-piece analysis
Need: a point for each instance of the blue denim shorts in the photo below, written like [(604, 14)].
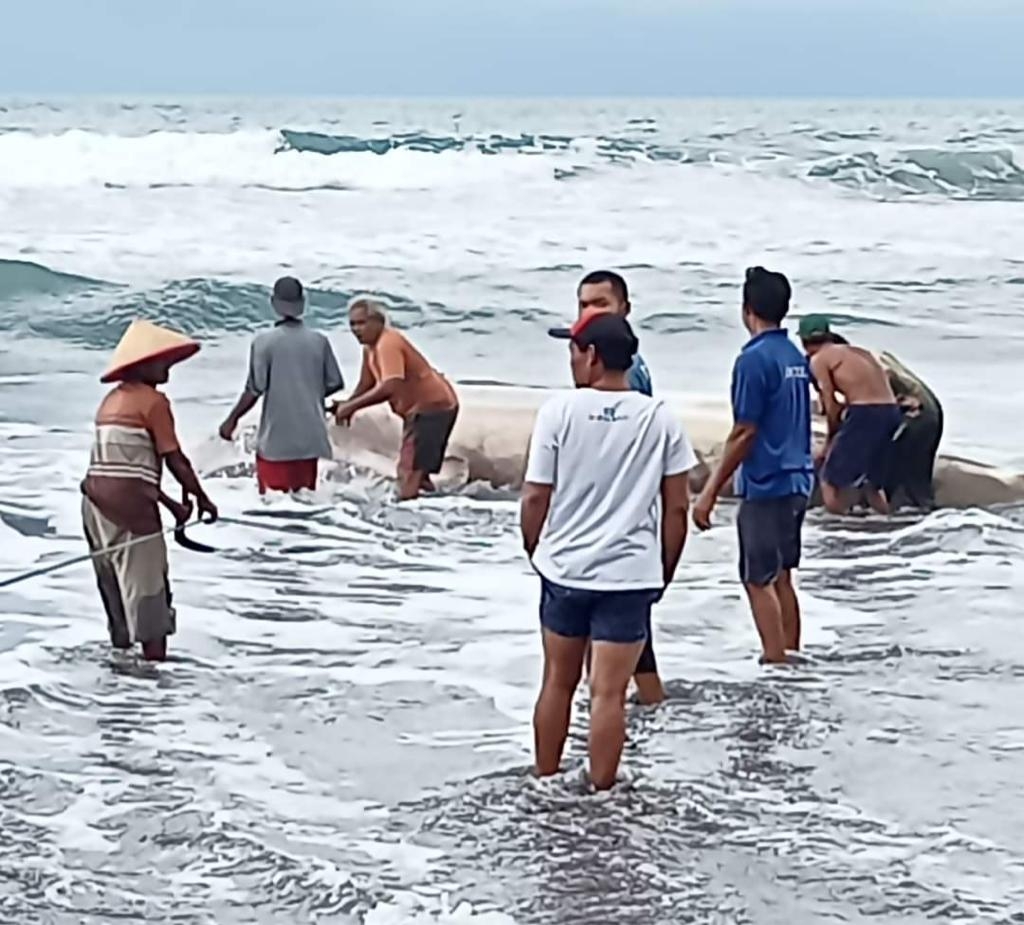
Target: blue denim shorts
[(604, 616)]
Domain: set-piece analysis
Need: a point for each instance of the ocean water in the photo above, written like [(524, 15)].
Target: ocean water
[(343, 732)]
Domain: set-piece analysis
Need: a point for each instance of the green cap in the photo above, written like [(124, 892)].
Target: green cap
[(814, 326)]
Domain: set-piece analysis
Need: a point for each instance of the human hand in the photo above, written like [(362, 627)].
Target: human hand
[(343, 414), (207, 509), (702, 510), (227, 429), (181, 511)]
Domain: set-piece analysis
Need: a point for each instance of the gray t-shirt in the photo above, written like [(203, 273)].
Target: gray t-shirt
[(293, 369)]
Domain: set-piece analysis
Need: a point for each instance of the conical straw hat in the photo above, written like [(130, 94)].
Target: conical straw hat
[(144, 342)]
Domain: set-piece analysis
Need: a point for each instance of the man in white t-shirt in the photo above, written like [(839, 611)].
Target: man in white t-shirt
[(604, 514)]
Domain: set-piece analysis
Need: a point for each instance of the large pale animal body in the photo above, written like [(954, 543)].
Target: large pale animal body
[(492, 435)]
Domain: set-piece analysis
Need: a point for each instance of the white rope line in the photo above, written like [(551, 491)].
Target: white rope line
[(86, 557)]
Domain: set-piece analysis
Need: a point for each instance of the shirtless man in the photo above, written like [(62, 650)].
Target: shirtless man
[(861, 428)]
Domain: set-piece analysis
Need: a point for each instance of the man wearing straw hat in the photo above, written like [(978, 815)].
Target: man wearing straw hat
[(293, 430), (134, 438)]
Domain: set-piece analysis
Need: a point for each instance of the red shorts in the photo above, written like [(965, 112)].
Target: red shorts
[(285, 475)]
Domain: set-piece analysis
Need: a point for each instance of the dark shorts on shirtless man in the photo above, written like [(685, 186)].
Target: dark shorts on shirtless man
[(861, 451)]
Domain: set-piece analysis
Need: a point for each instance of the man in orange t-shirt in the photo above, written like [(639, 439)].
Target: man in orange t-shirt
[(394, 371)]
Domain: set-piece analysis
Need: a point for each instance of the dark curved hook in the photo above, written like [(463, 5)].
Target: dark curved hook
[(186, 542), (183, 539)]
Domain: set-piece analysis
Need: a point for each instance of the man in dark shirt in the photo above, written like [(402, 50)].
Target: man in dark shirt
[(770, 446)]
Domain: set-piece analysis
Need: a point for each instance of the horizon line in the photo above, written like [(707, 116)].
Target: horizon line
[(35, 97)]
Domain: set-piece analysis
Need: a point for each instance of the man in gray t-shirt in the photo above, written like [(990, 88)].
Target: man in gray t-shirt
[(293, 369)]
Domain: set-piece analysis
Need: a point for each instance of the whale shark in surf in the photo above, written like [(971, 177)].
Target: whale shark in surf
[(492, 434)]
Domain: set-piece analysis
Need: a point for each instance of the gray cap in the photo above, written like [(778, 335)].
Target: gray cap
[(289, 298)]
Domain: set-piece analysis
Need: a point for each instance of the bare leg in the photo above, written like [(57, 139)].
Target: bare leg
[(612, 668), (563, 665), (877, 499), (409, 484), (649, 689), (836, 500), (648, 684), (767, 610), (790, 607)]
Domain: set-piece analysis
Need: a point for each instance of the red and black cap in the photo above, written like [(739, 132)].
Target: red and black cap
[(609, 334)]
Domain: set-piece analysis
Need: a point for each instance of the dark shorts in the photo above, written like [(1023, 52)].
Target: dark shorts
[(603, 616), (861, 450), (425, 439), (769, 531), (911, 475)]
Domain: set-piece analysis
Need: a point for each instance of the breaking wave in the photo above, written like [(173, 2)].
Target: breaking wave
[(610, 148), (956, 174), (22, 278), (292, 160), (93, 313)]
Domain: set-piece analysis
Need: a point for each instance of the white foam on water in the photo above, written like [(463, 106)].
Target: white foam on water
[(85, 159), (414, 910)]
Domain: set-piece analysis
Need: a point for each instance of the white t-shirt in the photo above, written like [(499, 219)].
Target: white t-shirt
[(605, 454)]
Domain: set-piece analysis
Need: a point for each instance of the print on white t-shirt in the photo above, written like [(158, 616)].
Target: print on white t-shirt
[(605, 454)]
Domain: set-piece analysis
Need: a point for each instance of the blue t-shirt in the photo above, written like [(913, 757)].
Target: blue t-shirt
[(771, 387), (639, 377)]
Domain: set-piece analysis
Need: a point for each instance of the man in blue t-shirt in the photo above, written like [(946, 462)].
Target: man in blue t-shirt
[(606, 291), (770, 446)]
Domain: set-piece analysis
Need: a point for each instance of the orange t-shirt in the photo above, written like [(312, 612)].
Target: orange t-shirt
[(134, 431), (422, 388)]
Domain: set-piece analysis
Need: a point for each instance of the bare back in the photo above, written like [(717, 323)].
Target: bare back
[(855, 373)]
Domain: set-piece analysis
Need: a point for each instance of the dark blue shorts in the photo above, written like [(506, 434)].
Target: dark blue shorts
[(603, 616), (770, 537), (861, 450)]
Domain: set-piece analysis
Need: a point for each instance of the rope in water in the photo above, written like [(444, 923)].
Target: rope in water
[(86, 557)]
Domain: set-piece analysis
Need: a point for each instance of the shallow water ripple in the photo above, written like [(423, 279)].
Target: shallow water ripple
[(342, 736)]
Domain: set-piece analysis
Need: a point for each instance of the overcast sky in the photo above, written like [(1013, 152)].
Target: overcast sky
[(515, 47)]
